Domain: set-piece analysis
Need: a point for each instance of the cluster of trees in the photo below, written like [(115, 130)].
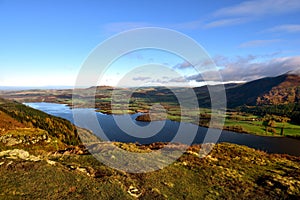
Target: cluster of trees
[(269, 121), (291, 110), (295, 115), (235, 128), (55, 126)]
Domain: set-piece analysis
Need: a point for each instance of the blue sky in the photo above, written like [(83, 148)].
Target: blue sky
[(45, 42)]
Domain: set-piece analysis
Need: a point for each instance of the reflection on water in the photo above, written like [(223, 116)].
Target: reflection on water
[(164, 130)]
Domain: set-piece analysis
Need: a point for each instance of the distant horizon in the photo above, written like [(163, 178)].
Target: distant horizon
[(55, 87), (34, 87), (3, 87)]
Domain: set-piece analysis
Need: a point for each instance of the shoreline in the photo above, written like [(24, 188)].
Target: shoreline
[(234, 128), (237, 135)]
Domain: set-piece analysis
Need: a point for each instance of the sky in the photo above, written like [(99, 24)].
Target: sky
[(46, 43)]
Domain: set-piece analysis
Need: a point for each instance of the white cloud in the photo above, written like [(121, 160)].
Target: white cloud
[(141, 78), (242, 70), (258, 43), (226, 22), (259, 8), (234, 70), (183, 65), (287, 28), (251, 10), (248, 68), (245, 12), (227, 16)]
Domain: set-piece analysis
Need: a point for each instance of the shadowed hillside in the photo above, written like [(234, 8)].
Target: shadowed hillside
[(282, 89)]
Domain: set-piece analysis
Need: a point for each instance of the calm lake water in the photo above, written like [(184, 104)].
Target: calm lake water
[(164, 131)]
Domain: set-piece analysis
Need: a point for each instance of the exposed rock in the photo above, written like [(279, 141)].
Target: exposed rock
[(133, 191), (209, 157), (78, 150), (71, 167), (9, 163), (19, 154), (11, 141), (193, 153), (169, 184), (83, 170), (19, 138), (50, 162)]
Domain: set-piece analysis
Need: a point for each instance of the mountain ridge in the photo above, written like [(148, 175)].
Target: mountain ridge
[(282, 89), (266, 91)]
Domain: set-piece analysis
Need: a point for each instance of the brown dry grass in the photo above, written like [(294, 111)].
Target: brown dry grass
[(8, 123)]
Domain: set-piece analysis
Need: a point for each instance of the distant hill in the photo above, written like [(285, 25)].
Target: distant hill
[(204, 96), (287, 91), (282, 89)]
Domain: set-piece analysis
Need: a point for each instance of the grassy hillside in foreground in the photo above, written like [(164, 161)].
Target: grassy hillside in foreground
[(229, 172)]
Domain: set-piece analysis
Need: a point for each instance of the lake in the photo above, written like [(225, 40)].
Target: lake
[(164, 131)]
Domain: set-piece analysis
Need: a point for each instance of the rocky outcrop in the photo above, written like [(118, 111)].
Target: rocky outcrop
[(18, 154), (25, 136)]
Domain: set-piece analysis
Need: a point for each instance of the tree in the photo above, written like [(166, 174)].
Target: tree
[(271, 123)]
